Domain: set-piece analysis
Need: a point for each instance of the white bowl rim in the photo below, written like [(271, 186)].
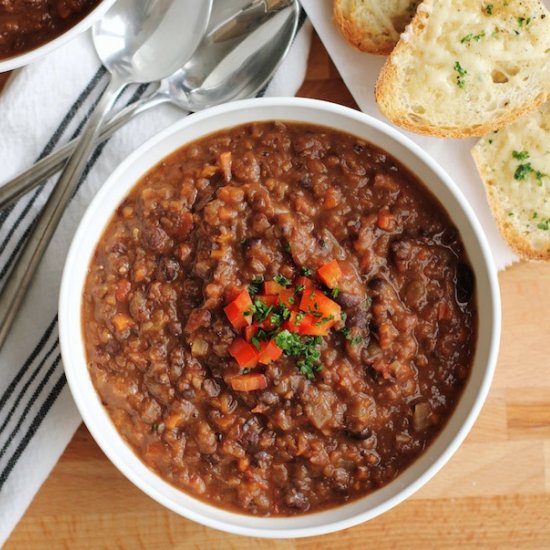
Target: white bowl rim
[(27, 57), (486, 266)]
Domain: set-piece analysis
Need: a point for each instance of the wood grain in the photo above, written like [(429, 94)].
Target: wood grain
[(493, 494)]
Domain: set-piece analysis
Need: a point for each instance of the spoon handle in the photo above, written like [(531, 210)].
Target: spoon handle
[(39, 172), (25, 266)]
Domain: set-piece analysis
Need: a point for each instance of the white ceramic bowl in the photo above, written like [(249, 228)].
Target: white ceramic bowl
[(308, 111), (84, 24)]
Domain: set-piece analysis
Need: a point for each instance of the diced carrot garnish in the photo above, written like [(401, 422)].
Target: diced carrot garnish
[(249, 382), (122, 321), (273, 288), (140, 272), (209, 170), (250, 331), (224, 238), (332, 198), (224, 160), (245, 354), (269, 351), (218, 253), (122, 289), (292, 324), (385, 219), (288, 297), (226, 214), (304, 282), (173, 420), (330, 274), (270, 300), (317, 304), (315, 326), (236, 310)]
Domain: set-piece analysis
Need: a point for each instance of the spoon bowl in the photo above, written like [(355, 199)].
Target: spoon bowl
[(243, 71), (130, 36)]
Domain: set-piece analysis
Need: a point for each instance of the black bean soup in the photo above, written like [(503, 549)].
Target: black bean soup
[(279, 318)]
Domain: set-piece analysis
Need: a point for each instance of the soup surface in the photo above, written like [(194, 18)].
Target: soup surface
[(279, 318), (27, 24)]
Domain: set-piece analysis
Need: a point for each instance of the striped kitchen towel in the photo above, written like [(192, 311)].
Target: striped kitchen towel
[(41, 108)]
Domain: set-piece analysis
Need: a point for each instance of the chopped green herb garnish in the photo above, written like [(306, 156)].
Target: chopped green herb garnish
[(282, 280), (284, 312), (324, 320), (255, 342), (470, 36), (545, 225), (298, 289), (461, 74), (304, 347), (335, 292), (522, 171), (275, 319), (523, 21), (343, 315), (263, 335), (520, 155), (535, 215), (292, 300), (261, 311), (306, 271), (255, 286), (299, 316), (287, 247), (489, 9)]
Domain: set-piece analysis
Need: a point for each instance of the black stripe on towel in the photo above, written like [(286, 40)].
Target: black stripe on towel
[(37, 421)]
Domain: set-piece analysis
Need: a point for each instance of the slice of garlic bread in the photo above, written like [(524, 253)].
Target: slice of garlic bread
[(467, 67), (514, 164), (373, 25)]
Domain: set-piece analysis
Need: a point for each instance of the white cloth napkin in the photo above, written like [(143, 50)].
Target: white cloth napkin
[(359, 71), (40, 109)]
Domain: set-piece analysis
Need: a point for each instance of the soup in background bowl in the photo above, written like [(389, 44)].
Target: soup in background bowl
[(29, 30)]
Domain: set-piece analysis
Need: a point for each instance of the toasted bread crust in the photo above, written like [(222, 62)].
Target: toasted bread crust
[(358, 36), (389, 83), (519, 229), (383, 90), (517, 242)]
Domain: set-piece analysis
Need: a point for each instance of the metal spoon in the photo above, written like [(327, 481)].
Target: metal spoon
[(241, 62), (137, 41)]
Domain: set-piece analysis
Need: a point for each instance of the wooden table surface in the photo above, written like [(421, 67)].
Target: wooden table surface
[(494, 493)]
